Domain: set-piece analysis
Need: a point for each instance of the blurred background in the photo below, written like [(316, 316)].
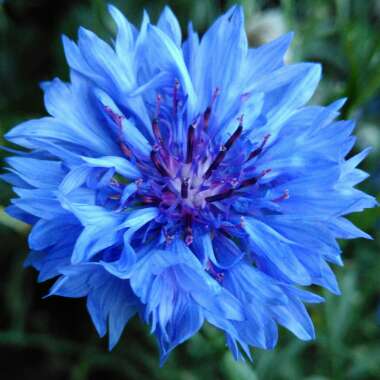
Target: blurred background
[(54, 338)]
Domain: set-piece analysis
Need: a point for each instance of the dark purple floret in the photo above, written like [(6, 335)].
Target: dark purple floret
[(190, 144), (258, 150), (158, 164)]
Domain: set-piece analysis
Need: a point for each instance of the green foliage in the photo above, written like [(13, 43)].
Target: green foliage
[(54, 338)]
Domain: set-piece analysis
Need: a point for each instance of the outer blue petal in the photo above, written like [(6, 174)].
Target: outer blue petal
[(275, 250), (125, 39), (168, 23), (220, 57), (121, 165), (266, 58)]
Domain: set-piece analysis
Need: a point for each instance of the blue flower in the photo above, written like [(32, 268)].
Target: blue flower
[(187, 182)]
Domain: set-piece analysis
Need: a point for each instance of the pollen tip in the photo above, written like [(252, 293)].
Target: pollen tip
[(126, 150), (216, 93), (168, 237), (234, 182), (283, 197), (189, 239), (157, 163), (266, 171), (158, 105)]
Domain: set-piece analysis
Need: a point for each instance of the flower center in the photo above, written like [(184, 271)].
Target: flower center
[(190, 178)]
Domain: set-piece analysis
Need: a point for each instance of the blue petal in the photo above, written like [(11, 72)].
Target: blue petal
[(34, 171), (77, 62), (50, 263), (122, 308), (227, 252), (190, 50), (129, 190), (130, 134), (40, 204), (14, 180), (49, 232), (267, 58), (45, 127), (295, 318), (92, 215), (124, 266), (20, 214), (125, 34), (139, 217), (344, 229), (108, 298), (294, 85), (75, 178), (168, 23), (72, 104), (274, 249), (164, 55), (92, 240), (121, 165), (103, 60), (202, 245), (220, 58)]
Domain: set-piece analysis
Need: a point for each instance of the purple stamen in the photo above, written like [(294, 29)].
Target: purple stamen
[(175, 97), (150, 199), (218, 159), (185, 192), (258, 151), (125, 150), (220, 196), (206, 116), (230, 192), (188, 229), (223, 151), (114, 116), (161, 169), (156, 131), (185, 188), (219, 276), (234, 137), (283, 197), (158, 105), (207, 113), (253, 181), (118, 121), (190, 144)]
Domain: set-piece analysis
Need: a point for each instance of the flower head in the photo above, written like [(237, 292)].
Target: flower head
[(187, 182)]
